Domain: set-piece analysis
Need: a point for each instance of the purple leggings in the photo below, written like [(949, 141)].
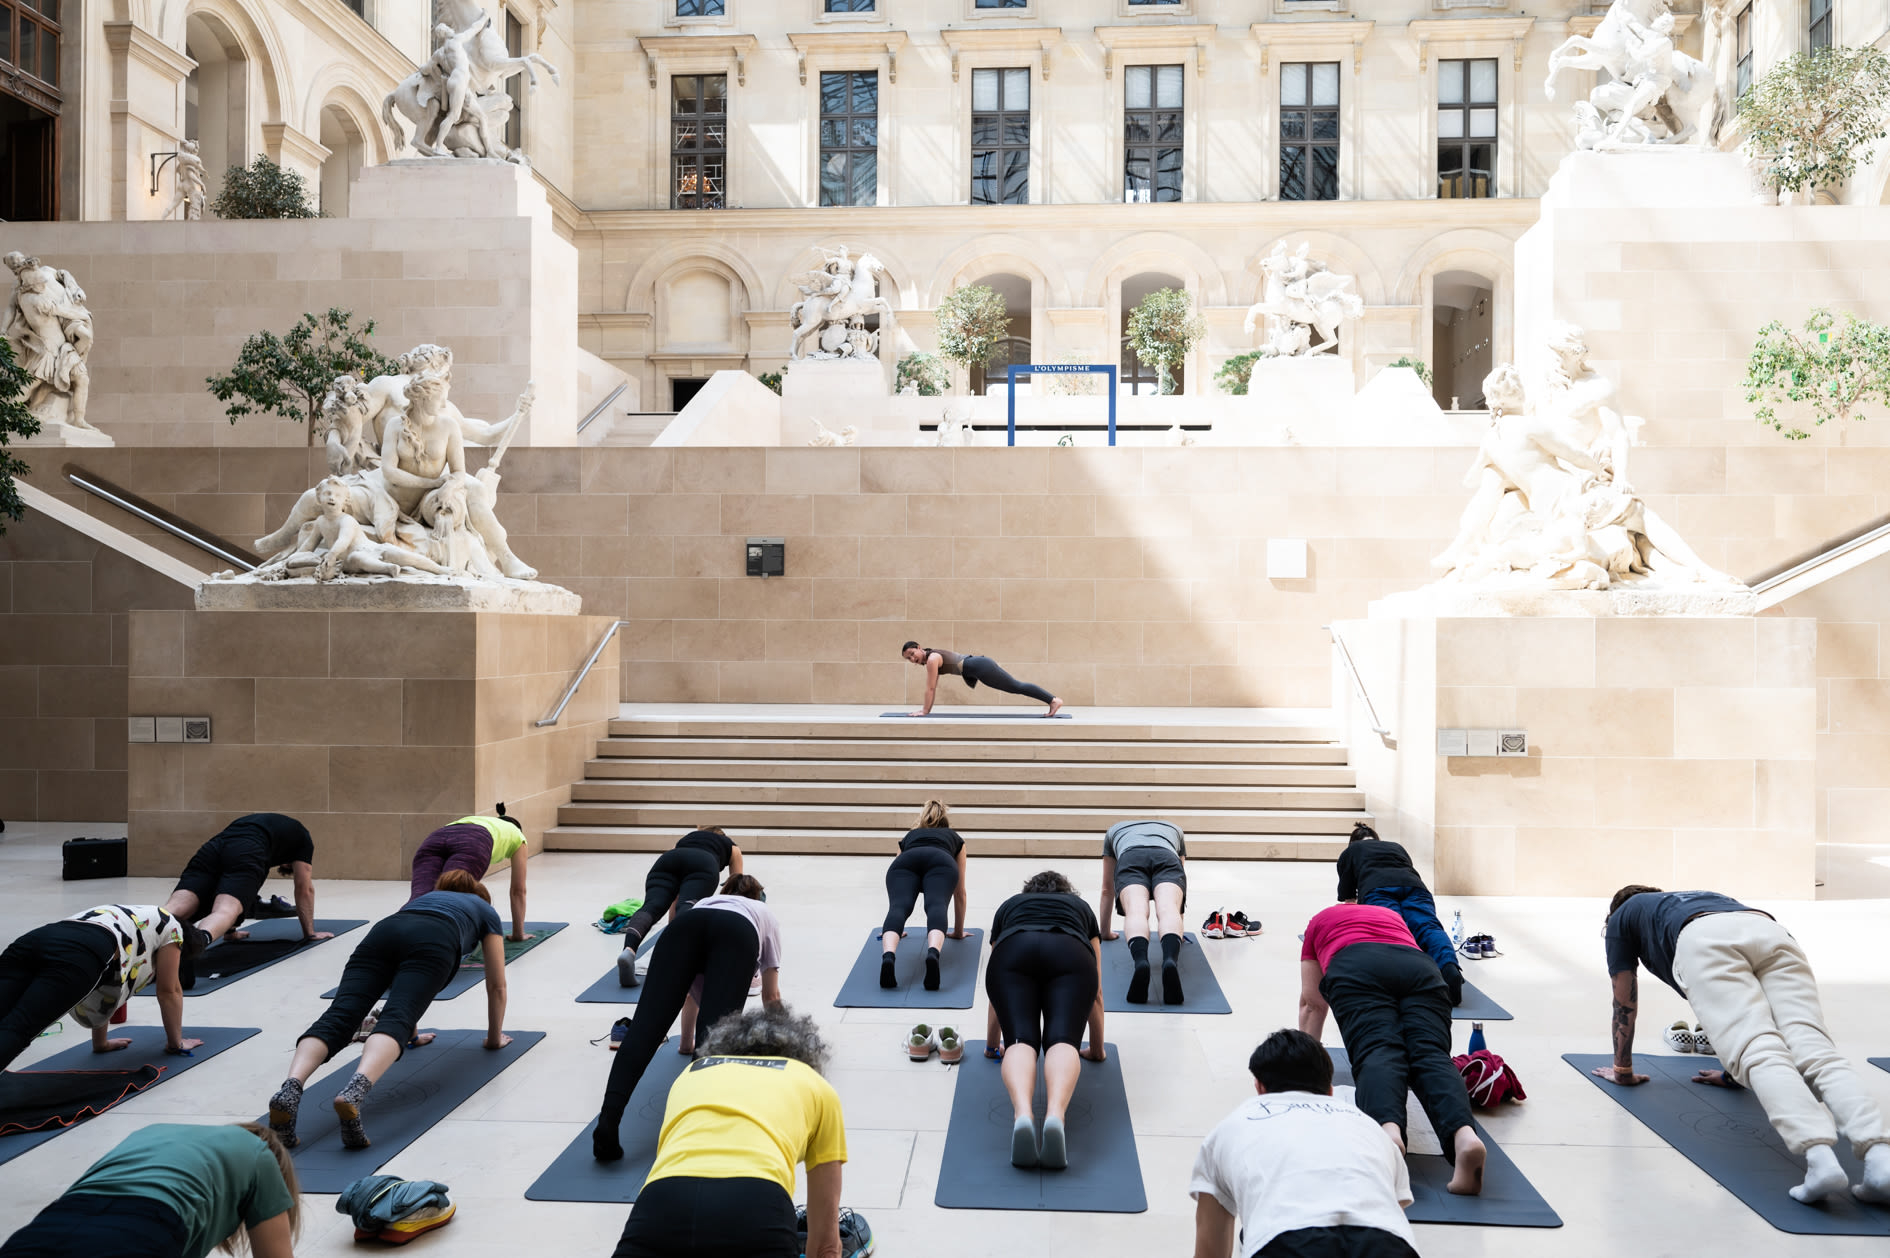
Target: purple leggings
[(467, 847)]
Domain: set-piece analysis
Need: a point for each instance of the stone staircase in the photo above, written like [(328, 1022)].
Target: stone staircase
[(1271, 790)]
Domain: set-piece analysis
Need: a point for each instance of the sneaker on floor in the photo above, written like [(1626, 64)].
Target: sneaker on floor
[(951, 1047), (1215, 927), (1679, 1037), (1701, 1044), (921, 1043), (1239, 927), (618, 1030)]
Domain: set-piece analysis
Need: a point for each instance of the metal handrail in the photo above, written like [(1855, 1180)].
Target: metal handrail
[(582, 673), (1822, 557), (126, 501), (1358, 682), (602, 406)]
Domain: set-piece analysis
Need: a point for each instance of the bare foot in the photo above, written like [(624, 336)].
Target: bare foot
[(1468, 1179), (422, 1040), (238, 934), (1056, 706)]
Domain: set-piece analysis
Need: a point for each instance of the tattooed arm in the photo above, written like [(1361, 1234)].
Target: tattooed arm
[(1627, 999)]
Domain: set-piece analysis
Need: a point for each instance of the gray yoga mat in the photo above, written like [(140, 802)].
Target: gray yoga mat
[(278, 930), (1726, 1134), (1508, 1198), (1881, 1063), (472, 972), (1478, 1007), (1198, 984), (424, 1086), (147, 1049), (577, 1176), (976, 716), (1104, 1175), (607, 990), (957, 974)]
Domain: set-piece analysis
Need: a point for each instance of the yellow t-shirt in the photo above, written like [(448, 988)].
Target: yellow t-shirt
[(749, 1118), (506, 837)]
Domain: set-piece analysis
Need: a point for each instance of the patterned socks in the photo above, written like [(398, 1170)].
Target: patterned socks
[(283, 1107), (348, 1110)]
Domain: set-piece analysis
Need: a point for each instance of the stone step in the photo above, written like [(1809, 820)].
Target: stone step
[(973, 819), (1022, 729), (1060, 844), (1117, 773), (1100, 751), (1163, 801)]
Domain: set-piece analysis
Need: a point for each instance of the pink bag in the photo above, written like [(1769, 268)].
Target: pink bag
[(1489, 1079)]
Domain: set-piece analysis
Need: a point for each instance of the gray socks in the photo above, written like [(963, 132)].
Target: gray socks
[(348, 1110), (283, 1107)]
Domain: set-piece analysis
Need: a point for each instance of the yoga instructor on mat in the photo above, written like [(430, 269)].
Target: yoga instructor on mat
[(1753, 991), (976, 670), (476, 845), (931, 861), (174, 1190), (411, 956), (91, 963)]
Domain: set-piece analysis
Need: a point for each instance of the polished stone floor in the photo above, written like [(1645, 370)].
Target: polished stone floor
[(1619, 1190)]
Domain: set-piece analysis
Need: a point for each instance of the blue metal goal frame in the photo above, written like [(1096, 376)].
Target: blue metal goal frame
[(1059, 369)]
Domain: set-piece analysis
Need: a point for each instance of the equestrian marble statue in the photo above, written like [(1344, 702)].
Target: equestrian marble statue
[(1652, 92), (1303, 304), (457, 101), (830, 319)]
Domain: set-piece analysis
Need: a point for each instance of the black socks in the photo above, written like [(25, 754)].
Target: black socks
[(931, 969), (1138, 982), (1171, 970), (886, 961)]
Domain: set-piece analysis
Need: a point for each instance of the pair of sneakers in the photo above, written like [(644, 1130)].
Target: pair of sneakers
[(1479, 947), (923, 1040), (1684, 1039), (1221, 924)]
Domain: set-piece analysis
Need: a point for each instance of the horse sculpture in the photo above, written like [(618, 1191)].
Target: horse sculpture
[(1300, 298), (469, 66), (1651, 84), (836, 303)]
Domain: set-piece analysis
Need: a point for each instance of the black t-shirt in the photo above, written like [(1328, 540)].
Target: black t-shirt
[(285, 839), (1068, 914), (1645, 930), (1372, 864), (933, 836), (719, 846)]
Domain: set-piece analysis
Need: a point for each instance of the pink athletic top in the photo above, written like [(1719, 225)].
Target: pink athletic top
[(1332, 929)]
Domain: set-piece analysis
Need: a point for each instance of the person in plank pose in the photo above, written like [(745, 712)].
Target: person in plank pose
[(1144, 861), (931, 861), (1377, 871), (677, 879), (219, 886), (975, 670), (477, 845)]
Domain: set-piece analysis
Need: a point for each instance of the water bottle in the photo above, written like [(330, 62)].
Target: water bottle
[(1456, 930), (1476, 1037)]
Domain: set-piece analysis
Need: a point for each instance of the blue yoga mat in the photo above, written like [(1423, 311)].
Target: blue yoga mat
[(271, 934), (472, 971), (1478, 1007), (577, 1176), (1198, 984), (957, 973), (607, 990)]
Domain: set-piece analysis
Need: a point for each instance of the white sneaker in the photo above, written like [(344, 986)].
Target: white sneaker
[(1679, 1037), (1701, 1044)]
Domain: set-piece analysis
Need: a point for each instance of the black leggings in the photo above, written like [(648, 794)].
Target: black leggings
[(718, 944), (682, 1216), (985, 671), (929, 868), (1394, 1013), (45, 972), (410, 956), (1347, 1240), (96, 1223), (680, 876), (1042, 984)]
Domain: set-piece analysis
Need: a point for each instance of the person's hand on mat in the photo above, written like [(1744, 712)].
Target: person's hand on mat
[(314, 936), (960, 933), (237, 934), (422, 1039), (1628, 1080), (1715, 1079), (111, 1046), (1110, 936), (504, 1039), (182, 1046), (1095, 1052)]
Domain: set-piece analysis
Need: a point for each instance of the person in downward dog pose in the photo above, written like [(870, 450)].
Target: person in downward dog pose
[(1377, 871), (677, 880), (411, 956), (931, 860), (1144, 860), (1752, 989), (975, 670), (476, 845), (701, 968)]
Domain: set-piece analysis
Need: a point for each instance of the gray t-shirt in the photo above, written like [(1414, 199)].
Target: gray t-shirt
[(471, 916), (1645, 930), (1126, 835)]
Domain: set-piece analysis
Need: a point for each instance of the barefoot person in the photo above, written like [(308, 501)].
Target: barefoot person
[(1360, 961), (975, 670), (750, 1107), (1377, 871), (702, 967), (477, 845), (91, 963), (678, 879), (1753, 991), (175, 1190), (1306, 1174), (410, 956), (219, 886), (1044, 981), (1144, 860), (931, 861)]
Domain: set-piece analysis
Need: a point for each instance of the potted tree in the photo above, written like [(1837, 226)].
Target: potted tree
[(971, 322), (1163, 328), (263, 189), (1835, 366), (1813, 119), (288, 375)]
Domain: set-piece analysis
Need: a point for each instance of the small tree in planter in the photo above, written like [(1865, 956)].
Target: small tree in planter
[(1812, 119), (1163, 328), (925, 371), (288, 375), (1423, 372), (15, 421), (971, 322), (1835, 366), (263, 189), (1235, 372)]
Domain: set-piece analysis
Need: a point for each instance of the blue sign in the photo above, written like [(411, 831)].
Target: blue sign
[(1060, 369)]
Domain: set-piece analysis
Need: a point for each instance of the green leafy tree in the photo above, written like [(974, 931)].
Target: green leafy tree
[(924, 370), (971, 322), (773, 378), (288, 375), (1163, 327), (1423, 372), (15, 421), (1835, 366), (263, 189), (1234, 373), (1813, 119)]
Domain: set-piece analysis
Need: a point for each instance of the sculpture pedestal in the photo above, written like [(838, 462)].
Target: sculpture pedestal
[(1659, 746), (412, 593), (1307, 391), (57, 434), (372, 727), (835, 391)]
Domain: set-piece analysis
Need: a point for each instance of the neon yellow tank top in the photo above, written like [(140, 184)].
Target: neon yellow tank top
[(506, 838)]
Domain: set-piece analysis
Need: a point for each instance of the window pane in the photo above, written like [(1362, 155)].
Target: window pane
[(1483, 82), (984, 90), (1168, 174), (49, 57), (1168, 128), (833, 133), (1324, 185), (1017, 89), (833, 93), (866, 93), (1293, 174), (1450, 82), (698, 8), (865, 179), (1325, 83), (984, 178), (1017, 130), (683, 135), (833, 179), (1136, 83), (1293, 83), (849, 6), (715, 93), (985, 130), (1135, 175), (1168, 87), (1135, 129), (682, 94), (6, 36), (1483, 165), (1017, 177), (26, 45), (865, 133), (51, 9), (1292, 124), (1449, 124), (1482, 123), (1325, 124)]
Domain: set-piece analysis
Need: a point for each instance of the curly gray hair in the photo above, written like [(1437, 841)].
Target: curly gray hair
[(768, 1032)]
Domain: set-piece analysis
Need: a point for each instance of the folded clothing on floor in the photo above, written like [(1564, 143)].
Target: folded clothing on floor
[(380, 1203)]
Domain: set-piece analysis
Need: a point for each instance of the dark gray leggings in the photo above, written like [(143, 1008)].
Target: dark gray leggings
[(982, 670)]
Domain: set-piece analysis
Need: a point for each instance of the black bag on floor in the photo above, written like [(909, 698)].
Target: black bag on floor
[(93, 858)]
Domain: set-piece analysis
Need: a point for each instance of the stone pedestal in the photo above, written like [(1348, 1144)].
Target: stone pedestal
[(413, 592), (58, 434), (835, 391), (1666, 750), (1304, 389), (372, 727)]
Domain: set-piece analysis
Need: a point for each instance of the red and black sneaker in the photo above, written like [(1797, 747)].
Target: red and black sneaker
[(1215, 927), (1238, 927)]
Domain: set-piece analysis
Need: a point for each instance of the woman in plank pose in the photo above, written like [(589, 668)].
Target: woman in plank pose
[(976, 670)]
